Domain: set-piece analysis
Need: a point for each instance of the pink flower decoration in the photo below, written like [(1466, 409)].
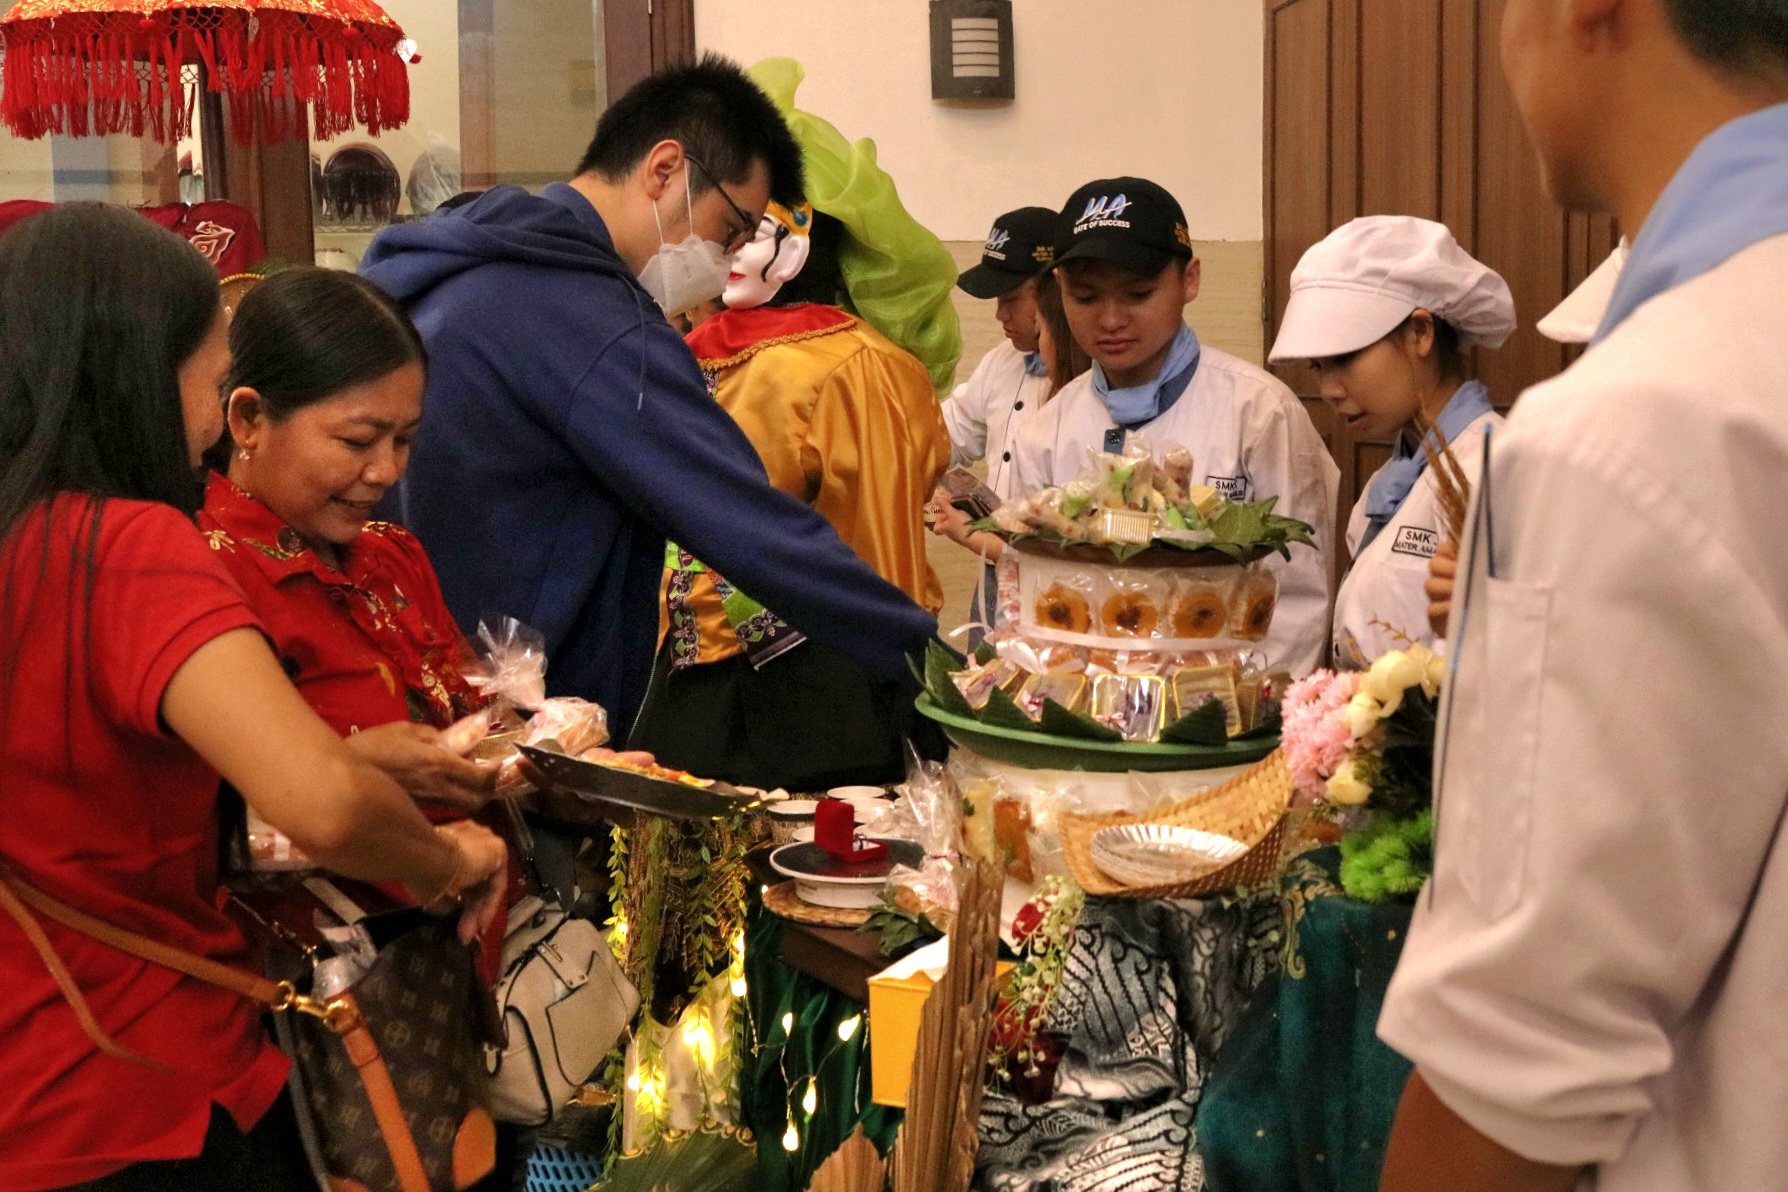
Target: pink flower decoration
[(1315, 738)]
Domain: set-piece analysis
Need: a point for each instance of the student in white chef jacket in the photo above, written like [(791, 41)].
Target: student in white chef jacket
[(1384, 308), (1592, 990), (1011, 380), (1013, 376), (1127, 271)]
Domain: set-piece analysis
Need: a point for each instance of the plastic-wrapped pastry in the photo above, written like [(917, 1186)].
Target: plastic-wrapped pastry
[(1062, 607), (1129, 614)]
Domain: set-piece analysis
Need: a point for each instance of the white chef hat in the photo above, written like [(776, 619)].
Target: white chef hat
[(1353, 288), (1574, 321)]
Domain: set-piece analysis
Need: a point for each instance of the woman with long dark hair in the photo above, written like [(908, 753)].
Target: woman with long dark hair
[(133, 676)]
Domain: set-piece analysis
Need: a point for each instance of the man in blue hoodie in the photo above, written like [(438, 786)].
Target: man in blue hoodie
[(569, 430)]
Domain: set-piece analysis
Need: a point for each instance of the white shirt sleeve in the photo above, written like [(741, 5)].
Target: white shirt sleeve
[(1284, 455), (965, 413), (1614, 767)]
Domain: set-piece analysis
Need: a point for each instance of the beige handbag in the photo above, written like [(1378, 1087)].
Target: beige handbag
[(564, 1003)]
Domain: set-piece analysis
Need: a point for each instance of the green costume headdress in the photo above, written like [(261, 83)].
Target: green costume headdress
[(897, 273)]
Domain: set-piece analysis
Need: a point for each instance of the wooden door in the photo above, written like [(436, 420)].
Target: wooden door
[(1399, 107)]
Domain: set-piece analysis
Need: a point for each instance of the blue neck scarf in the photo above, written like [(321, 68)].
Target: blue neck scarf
[(1146, 402), (1731, 193), (1034, 366), (1394, 482)]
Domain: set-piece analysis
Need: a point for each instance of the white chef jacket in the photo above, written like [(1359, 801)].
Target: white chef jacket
[(1597, 971), (1249, 439), (981, 410), (1384, 585)]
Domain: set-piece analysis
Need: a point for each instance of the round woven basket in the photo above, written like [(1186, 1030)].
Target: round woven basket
[(1251, 808)]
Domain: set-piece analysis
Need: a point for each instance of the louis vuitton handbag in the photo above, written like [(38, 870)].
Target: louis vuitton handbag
[(388, 1074)]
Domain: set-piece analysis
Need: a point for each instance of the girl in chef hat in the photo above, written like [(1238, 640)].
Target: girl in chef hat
[(1384, 309)]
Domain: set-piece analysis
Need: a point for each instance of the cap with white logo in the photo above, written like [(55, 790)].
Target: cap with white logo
[(1019, 247), (1574, 321), (1130, 222), (1357, 284)]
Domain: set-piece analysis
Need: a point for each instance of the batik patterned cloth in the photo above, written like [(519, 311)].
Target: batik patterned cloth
[(1151, 991)]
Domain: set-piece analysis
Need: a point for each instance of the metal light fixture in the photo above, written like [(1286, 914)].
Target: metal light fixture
[(971, 49)]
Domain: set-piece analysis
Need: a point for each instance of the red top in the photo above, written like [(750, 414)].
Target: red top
[(102, 808), (366, 645)]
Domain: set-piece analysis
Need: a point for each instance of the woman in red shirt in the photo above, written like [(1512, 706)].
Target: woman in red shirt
[(132, 676), (324, 397)]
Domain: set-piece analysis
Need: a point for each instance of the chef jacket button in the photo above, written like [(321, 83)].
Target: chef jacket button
[(1018, 405), (1006, 458)]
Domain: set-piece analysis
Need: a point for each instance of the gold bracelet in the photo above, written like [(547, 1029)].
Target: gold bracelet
[(452, 889)]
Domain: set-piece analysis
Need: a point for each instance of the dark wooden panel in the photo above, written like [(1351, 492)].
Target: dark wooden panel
[(1520, 232), (1400, 108), (273, 182), (673, 32), (1346, 60), (1458, 150), (1298, 151), (627, 42)]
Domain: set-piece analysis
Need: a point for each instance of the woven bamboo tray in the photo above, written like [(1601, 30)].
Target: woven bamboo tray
[(1251, 808), (781, 900)]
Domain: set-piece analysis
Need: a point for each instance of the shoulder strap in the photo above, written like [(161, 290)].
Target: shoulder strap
[(19, 898)]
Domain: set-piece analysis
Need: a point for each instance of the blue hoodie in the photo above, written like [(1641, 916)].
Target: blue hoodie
[(569, 432)]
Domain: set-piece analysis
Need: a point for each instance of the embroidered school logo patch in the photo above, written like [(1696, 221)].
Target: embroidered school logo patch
[(1234, 488), (1106, 211), (1418, 541), (996, 244)]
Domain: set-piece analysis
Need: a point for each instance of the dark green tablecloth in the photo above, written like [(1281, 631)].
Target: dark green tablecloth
[(1302, 1096), (779, 1065)]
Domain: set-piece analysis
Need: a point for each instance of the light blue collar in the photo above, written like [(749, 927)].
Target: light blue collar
[(1731, 193), (1034, 366), (1397, 479), (1146, 402)]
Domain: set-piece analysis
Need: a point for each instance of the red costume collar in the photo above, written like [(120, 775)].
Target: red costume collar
[(734, 336)]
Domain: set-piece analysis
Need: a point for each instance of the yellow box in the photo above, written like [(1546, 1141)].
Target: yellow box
[(895, 1004)]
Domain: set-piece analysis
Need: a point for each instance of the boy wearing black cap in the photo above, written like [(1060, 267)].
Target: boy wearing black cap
[(1012, 377), (1127, 270)]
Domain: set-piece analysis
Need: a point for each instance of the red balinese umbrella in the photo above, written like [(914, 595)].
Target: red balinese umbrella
[(93, 67)]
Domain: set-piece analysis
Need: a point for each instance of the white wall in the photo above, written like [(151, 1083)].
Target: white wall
[(1166, 89)]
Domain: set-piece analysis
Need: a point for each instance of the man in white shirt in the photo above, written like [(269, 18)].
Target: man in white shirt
[(1592, 990), (1012, 377), (1127, 271)]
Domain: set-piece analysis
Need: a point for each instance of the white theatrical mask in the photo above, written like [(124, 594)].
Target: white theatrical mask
[(771, 259)]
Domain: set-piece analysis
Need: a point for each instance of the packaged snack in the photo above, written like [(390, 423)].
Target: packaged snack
[(1135, 705)]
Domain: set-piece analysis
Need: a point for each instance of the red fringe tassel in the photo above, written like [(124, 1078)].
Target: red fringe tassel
[(97, 74)]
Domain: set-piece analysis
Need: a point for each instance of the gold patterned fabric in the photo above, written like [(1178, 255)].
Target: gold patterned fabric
[(842, 419)]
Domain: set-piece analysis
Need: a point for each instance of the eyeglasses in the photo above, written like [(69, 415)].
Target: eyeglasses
[(747, 225)]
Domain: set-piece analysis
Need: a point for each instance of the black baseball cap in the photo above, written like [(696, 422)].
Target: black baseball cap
[(1130, 222), (1019, 247)]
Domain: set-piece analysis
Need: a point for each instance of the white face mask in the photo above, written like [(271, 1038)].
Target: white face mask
[(689, 272)]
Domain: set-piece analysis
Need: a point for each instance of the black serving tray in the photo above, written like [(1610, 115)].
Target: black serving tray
[(597, 783)]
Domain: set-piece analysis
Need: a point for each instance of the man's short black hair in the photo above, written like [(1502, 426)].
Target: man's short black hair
[(1742, 37), (719, 116)]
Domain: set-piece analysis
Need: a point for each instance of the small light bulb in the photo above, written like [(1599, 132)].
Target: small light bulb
[(810, 1102), (791, 1141), (848, 1027), (738, 986), (788, 1024), (633, 1082), (692, 1030)]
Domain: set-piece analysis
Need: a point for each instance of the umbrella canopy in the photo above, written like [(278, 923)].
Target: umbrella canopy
[(94, 67)]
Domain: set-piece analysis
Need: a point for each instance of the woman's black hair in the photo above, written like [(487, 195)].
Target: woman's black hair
[(1449, 354), (99, 309), (306, 334), (821, 279)]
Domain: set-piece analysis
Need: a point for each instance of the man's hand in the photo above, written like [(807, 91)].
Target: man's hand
[(1443, 570), (414, 757), (1432, 1148), (948, 521)]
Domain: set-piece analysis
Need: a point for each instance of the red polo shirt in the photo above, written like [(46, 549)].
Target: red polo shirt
[(102, 808), (367, 644)]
